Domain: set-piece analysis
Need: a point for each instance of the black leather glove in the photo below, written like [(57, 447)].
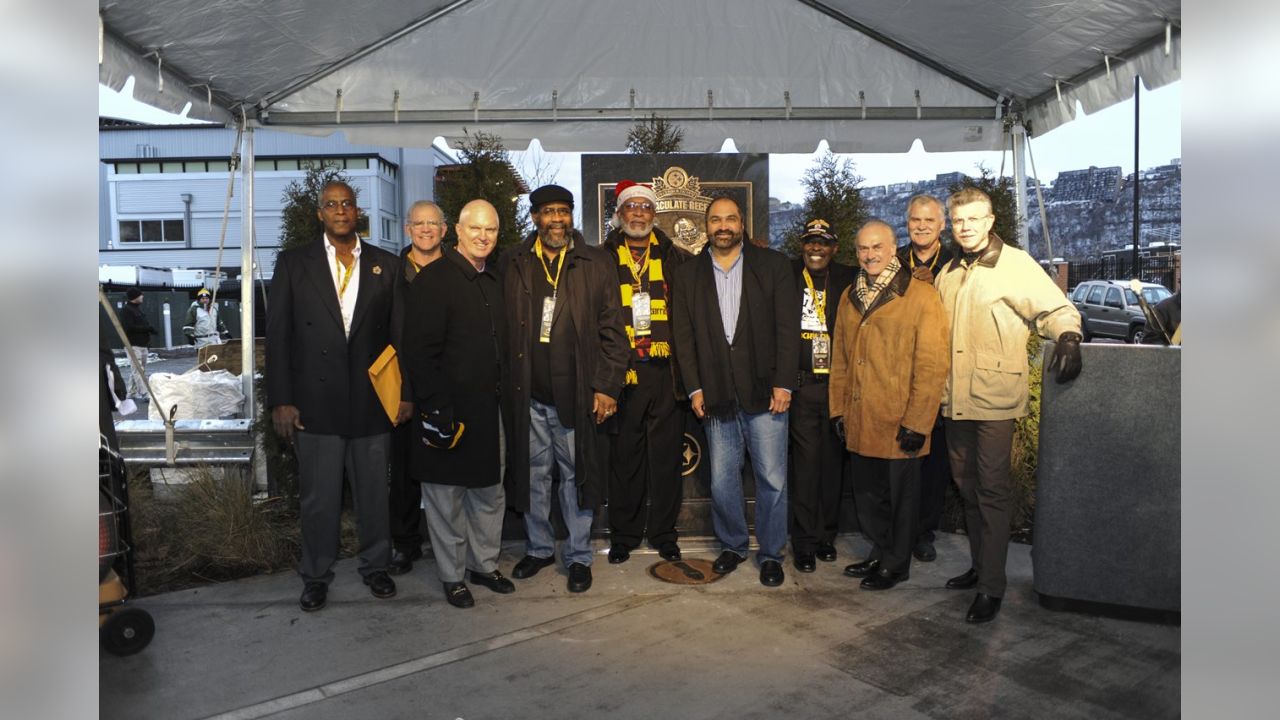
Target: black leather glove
[(837, 424), (909, 440), (1066, 357), (439, 431)]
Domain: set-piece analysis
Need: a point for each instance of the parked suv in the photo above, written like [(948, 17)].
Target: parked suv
[(1108, 308)]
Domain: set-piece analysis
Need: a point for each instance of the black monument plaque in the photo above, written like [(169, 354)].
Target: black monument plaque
[(685, 184)]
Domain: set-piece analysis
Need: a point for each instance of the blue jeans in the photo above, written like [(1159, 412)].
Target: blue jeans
[(764, 435), (549, 441)]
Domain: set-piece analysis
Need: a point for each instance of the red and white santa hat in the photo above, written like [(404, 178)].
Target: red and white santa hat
[(627, 190)]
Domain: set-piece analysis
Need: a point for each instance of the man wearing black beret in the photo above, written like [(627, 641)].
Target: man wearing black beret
[(567, 354)]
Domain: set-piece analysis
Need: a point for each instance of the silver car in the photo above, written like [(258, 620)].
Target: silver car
[(1108, 308)]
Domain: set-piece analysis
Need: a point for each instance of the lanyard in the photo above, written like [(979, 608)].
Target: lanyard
[(637, 271), (343, 277), (820, 306), (911, 257), (555, 282)]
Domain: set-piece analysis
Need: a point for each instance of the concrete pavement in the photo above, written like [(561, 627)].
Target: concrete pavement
[(634, 647)]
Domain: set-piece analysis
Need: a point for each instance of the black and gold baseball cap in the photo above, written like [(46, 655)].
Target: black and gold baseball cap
[(818, 230)]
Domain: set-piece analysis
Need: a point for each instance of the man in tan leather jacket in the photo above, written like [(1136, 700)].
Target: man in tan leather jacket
[(887, 371)]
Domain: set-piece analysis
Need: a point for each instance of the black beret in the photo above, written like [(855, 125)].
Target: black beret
[(133, 293), (549, 194)]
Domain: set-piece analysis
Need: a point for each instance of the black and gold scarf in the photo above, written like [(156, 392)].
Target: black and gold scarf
[(645, 275)]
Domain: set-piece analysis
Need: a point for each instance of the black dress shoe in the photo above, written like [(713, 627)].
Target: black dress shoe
[(862, 569), (883, 580), (494, 581), (579, 577), (805, 562), (826, 552), (727, 562), (402, 561), (983, 609), (967, 581), (381, 585), (669, 550), (458, 595), (529, 566), (313, 596), (771, 573), (924, 551), (619, 553)]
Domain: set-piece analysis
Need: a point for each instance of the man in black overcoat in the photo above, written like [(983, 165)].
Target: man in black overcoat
[(455, 344), (568, 357)]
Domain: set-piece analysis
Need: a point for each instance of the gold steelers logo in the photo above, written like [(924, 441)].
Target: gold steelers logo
[(690, 455)]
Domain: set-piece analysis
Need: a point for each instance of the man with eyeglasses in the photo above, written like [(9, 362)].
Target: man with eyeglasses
[(568, 356), (992, 294), (425, 228), (645, 465), (335, 305)]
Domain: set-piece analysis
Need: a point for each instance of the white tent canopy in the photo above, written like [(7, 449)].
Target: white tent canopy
[(774, 75)]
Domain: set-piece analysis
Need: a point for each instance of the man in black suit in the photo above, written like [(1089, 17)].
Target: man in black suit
[(737, 341), (816, 454), (335, 306)]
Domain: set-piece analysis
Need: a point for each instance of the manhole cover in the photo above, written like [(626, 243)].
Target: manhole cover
[(684, 572)]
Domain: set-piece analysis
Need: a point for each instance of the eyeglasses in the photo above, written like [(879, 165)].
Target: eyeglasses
[(419, 223), (333, 204), (637, 206)]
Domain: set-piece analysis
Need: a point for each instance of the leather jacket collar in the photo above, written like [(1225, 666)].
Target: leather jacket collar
[(990, 254)]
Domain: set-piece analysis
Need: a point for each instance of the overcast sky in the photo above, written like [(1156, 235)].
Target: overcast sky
[(1103, 139)]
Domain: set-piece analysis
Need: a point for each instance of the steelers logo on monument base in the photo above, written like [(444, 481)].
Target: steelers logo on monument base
[(690, 456)]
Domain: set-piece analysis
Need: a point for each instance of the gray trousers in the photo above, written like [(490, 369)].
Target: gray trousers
[(322, 462), (979, 451), (137, 387), (465, 525)]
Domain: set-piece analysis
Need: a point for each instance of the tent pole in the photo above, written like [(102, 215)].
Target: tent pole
[(1137, 184), (247, 341), (1020, 181)]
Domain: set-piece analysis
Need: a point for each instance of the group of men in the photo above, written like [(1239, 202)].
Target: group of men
[(569, 359)]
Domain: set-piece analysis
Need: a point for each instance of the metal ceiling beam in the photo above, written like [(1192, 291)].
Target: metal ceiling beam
[(387, 117), (363, 52), (171, 70), (904, 49), (1101, 68)]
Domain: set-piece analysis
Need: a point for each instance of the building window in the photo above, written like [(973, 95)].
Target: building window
[(151, 231), (386, 229)]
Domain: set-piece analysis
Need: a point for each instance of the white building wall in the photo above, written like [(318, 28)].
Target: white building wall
[(134, 196)]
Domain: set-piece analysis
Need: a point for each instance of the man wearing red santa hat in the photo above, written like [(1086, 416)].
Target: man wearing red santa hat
[(646, 449)]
